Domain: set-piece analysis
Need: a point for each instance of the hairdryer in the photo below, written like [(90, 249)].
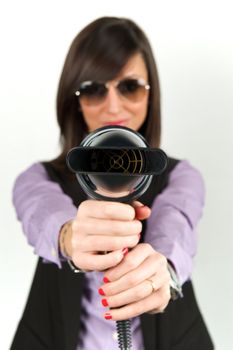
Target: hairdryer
[(115, 163)]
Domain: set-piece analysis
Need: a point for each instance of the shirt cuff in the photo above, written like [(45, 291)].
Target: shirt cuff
[(48, 245)]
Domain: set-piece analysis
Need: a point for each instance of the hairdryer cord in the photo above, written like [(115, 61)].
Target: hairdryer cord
[(124, 334)]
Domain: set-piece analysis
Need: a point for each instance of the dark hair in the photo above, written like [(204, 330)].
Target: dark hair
[(99, 52)]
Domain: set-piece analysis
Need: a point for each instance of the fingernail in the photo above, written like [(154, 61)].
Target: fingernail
[(139, 236), (106, 280), (107, 316), (101, 292), (125, 251), (104, 302)]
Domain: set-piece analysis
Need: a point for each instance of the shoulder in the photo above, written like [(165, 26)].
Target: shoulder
[(184, 193), (186, 174), (35, 172)]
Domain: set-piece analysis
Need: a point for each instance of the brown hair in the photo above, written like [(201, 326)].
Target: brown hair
[(99, 52)]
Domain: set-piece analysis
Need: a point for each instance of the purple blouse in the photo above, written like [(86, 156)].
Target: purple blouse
[(43, 208)]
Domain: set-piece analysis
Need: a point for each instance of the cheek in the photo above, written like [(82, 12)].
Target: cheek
[(139, 115), (90, 116)]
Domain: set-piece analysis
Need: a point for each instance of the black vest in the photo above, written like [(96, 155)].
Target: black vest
[(51, 319)]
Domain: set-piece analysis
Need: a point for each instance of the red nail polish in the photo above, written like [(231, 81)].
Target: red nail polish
[(106, 280), (101, 292), (125, 251), (104, 302), (107, 316)]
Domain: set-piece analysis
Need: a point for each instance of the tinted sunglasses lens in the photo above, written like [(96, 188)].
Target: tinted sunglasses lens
[(92, 92), (132, 89)]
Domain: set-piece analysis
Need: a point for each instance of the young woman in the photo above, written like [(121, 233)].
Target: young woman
[(110, 78)]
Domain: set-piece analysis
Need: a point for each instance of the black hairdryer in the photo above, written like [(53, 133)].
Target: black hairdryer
[(115, 163)]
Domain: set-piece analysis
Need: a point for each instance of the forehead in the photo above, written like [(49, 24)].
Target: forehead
[(134, 67)]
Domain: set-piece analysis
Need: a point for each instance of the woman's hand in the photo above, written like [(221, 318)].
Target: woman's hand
[(101, 227), (139, 284)]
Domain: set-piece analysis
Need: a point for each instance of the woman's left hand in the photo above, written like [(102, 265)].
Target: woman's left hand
[(139, 284)]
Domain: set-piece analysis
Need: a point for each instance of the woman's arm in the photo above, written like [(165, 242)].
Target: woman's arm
[(42, 208), (141, 282), (171, 227)]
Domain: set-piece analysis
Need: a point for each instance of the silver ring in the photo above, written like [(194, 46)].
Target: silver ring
[(152, 283)]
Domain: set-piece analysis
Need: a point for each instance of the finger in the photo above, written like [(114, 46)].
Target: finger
[(133, 259), (142, 212), (98, 262), (102, 243), (140, 277), (131, 295), (155, 301), (94, 226), (165, 298), (133, 284), (106, 210)]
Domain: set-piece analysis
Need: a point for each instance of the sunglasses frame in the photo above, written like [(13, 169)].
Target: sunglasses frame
[(140, 81)]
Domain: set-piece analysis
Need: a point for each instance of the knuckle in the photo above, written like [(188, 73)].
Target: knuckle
[(88, 243), (74, 225), (165, 296), (138, 226), (129, 262), (93, 264), (132, 280), (167, 277), (161, 308), (115, 259), (82, 206), (114, 244), (113, 301), (162, 259), (80, 225), (130, 212), (146, 247), (139, 294), (108, 209), (140, 309), (98, 267), (77, 263), (131, 242), (118, 226), (75, 240)]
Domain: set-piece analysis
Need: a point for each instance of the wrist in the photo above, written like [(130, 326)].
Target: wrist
[(65, 240), (175, 286), (65, 246)]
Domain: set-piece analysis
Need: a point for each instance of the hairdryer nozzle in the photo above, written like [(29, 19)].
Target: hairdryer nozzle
[(115, 162)]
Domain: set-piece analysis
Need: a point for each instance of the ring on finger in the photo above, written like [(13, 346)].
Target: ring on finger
[(152, 283)]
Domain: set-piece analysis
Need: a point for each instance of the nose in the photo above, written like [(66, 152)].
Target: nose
[(113, 100)]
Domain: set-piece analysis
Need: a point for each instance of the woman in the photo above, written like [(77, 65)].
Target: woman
[(110, 78)]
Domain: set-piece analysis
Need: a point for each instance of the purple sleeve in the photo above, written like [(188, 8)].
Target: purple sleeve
[(42, 208), (171, 228)]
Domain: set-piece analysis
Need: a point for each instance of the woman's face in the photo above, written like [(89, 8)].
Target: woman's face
[(116, 109)]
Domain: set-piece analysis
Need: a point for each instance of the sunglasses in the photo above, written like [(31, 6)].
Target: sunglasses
[(94, 92)]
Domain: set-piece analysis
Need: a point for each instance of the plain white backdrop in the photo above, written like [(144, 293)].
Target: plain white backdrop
[(193, 45)]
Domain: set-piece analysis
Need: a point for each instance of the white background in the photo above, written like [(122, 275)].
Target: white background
[(193, 45)]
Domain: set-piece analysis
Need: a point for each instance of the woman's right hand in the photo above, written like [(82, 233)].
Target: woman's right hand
[(102, 232)]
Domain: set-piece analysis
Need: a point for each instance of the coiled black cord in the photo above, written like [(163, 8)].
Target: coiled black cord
[(124, 334)]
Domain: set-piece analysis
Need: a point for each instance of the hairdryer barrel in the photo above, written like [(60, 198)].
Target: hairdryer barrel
[(115, 163)]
